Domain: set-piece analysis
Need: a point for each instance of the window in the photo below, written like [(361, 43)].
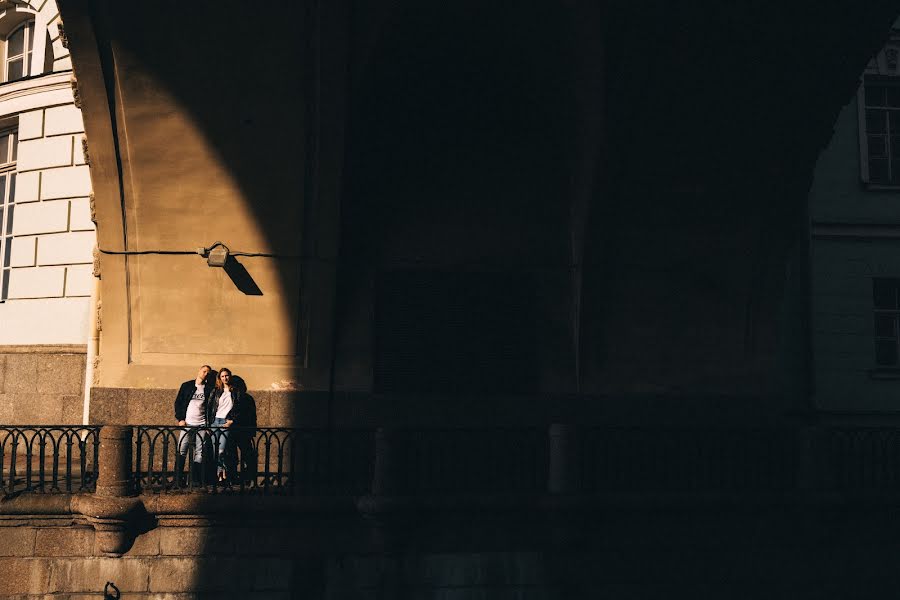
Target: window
[(882, 128), (19, 46), (878, 101), (7, 205), (886, 301)]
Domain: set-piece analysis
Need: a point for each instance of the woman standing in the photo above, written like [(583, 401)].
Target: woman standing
[(223, 410)]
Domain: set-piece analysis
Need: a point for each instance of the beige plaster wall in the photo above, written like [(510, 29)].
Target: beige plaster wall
[(192, 158)]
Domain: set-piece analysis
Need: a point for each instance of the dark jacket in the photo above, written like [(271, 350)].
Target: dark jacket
[(237, 406), (185, 393)]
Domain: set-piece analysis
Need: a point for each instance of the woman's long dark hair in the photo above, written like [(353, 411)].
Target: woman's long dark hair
[(219, 385)]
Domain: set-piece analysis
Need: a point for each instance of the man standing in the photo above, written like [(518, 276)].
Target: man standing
[(190, 412)]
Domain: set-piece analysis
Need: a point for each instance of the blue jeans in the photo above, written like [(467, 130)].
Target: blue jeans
[(192, 436), (220, 437)]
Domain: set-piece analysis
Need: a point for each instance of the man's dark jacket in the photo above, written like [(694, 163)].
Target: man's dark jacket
[(185, 393)]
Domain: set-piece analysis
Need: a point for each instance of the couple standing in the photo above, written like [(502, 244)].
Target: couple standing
[(210, 401)]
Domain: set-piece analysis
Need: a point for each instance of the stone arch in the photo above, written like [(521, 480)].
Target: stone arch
[(648, 44), (125, 92)]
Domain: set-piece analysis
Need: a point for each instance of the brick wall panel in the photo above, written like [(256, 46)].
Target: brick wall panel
[(45, 153), (31, 125), (44, 217), (70, 182), (37, 282), (80, 219), (28, 187), (66, 248), (63, 119), (79, 280), (23, 252)]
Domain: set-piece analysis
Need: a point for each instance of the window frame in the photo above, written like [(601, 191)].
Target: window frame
[(27, 52), (7, 207), (883, 69)]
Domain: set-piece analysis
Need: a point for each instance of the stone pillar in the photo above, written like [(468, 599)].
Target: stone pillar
[(384, 508), (564, 504), (115, 465), (810, 475), (112, 510), (384, 477), (563, 475)]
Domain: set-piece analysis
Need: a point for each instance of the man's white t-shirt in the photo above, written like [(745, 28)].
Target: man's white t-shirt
[(225, 404), (195, 414)]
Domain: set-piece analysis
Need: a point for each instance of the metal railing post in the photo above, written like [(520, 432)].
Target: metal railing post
[(563, 475)]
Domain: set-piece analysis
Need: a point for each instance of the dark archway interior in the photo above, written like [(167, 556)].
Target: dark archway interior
[(578, 206), (456, 208), (544, 199)]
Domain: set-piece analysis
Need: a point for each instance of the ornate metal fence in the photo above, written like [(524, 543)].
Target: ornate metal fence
[(689, 459), (49, 458), (862, 459), (471, 460), (263, 460), (848, 458)]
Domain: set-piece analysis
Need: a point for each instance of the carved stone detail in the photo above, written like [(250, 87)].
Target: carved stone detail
[(93, 207), (96, 267), (76, 96), (62, 35), (84, 150)]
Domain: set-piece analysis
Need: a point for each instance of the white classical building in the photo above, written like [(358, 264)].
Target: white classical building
[(47, 237), (46, 234)]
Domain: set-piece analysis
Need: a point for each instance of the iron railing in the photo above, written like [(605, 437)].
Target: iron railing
[(688, 459), (471, 460), (646, 460), (266, 460), (48, 458), (865, 459)]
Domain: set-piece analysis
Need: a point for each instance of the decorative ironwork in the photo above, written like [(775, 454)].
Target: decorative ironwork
[(689, 459), (863, 459), (428, 462), (48, 458), (252, 460), (471, 460)]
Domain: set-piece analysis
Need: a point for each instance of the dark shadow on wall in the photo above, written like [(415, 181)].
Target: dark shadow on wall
[(466, 146), (241, 278), (464, 139)]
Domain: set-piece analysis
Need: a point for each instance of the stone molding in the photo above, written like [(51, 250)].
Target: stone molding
[(44, 349), (37, 92)]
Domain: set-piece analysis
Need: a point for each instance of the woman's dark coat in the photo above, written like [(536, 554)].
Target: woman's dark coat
[(237, 411)]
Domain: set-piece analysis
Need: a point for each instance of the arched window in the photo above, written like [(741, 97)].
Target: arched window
[(19, 45)]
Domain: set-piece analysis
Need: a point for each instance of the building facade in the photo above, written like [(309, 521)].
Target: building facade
[(855, 213), (47, 236)]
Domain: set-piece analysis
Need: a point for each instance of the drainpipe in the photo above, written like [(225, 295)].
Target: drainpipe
[(93, 343)]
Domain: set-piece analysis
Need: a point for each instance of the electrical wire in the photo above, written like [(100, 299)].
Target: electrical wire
[(103, 251), (206, 250)]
